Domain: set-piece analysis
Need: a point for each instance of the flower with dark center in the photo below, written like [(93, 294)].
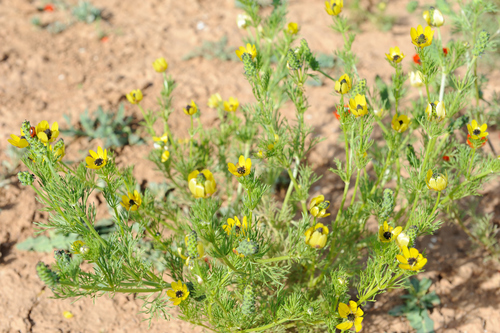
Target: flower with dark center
[(421, 37), (97, 160), (334, 8), (45, 133), (242, 168), (19, 142), (316, 236), (178, 293), (318, 206), (239, 227), (135, 96), (231, 105), (358, 105), (401, 123), (343, 84), (249, 49), (132, 201), (191, 108), (353, 314), (387, 233), (411, 259), (395, 55)]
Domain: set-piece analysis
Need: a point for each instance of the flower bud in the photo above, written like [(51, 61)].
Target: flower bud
[(49, 277), (437, 182), (434, 17), (248, 65), (248, 306), (416, 79), (243, 21), (481, 43), (192, 244), (160, 65), (26, 178), (247, 247), (293, 62)]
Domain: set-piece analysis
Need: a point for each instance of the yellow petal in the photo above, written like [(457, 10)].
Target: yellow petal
[(357, 324), (413, 253), (344, 310), (344, 326), (353, 306), (401, 259)]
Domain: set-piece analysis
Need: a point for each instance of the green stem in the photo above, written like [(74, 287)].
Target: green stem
[(268, 260), (428, 150), (450, 196), (328, 76), (346, 189), (118, 290), (414, 205), (355, 187), (290, 174), (290, 188), (263, 328), (191, 134), (437, 203), (471, 160), (382, 173)]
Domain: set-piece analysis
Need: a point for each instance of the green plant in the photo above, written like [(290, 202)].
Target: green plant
[(115, 129), (417, 303), (86, 12), (240, 258)]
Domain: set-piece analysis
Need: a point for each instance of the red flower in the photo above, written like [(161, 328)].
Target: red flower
[(336, 113), (446, 158), (445, 51), (104, 39), (416, 59), (472, 146), (49, 8)]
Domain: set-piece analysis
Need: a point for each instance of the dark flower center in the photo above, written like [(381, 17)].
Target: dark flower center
[(401, 122), (477, 131), (22, 137), (189, 107), (131, 202), (179, 293), (49, 133), (99, 161), (421, 39), (351, 316), (241, 170), (320, 230), (359, 107), (412, 261), (237, 228), (343, 81), (387, 235), (395, 58)]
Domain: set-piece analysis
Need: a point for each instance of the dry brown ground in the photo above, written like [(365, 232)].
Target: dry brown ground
[(44, 76)]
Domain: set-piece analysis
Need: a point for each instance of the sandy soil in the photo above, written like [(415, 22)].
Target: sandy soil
[(43, 76)]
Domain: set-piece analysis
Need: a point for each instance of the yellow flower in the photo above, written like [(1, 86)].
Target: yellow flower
[(421, 37), (132, 201), (242, 168), (435, 111), (477, 132), (191, 108), (416, 79), (395, 55), (250, 49), (163, 138), (97, 160), (411, 259), (160, 65), (434, 17), (387, 233), (401, 123), (402, 240), (165, 156), (19, 142), (67, 314), (239, 227), (59, 152), (231, 105), (334, 7), (202, 184), (243, 21), (135, 96), (46, 134), (436, 182), (343, 85), (357, 105), (214, 101), (316, 236), (260, 154), (318, 206), (353, 314), (178, 293), (79, 247), (292, 28)]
